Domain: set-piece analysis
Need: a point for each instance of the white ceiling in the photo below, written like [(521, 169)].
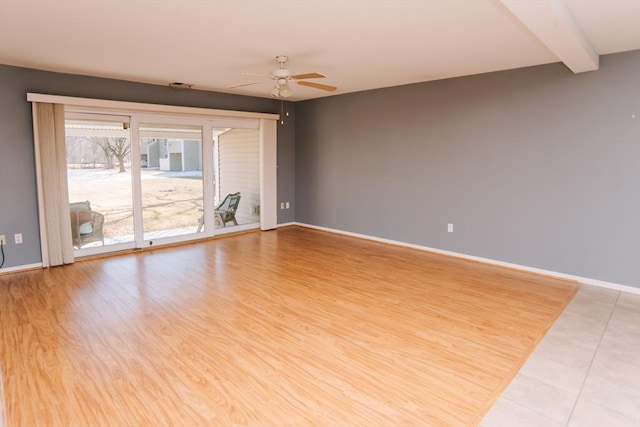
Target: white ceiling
[(357, 44)]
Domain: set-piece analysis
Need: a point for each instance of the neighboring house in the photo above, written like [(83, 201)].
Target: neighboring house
[(238, 170), (176, 155)]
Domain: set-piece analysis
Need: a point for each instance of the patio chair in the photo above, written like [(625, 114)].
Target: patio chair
[(225, 212), (86, 225)]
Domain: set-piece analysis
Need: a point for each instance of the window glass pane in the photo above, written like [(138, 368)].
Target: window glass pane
[(237, 172), (171, 179), (99, 181)]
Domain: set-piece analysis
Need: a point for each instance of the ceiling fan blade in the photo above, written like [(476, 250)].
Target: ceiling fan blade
[(246, 84), (308, 76), (328, 88), (258, 75)]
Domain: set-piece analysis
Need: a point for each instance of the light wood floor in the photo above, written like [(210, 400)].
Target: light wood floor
[(288, 327)]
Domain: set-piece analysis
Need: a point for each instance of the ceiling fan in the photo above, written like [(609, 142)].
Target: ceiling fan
[(281, 78)]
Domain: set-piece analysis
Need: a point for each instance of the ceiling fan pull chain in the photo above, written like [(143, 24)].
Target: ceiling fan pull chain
[(281, 111)]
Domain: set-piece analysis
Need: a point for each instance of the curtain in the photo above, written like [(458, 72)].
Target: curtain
[(51, 158)]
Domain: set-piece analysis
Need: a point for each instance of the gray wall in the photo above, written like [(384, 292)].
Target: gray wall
[(18, 201), (286, 163), (535, 166)]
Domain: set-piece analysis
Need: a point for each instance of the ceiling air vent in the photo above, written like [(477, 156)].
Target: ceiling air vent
[(181, 86)]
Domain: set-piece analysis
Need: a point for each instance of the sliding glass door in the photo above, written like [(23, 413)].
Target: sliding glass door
[(99, 182), (236, 158), (136, 181), (171, 179)]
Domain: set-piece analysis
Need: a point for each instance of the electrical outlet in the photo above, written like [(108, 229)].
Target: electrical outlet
[(450, 228), (3, 239), (286, 205), (281, 205), (18, 238)]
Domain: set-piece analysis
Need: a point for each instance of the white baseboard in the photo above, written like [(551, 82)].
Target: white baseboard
[(21, 268), (584, 280), (287, 224)]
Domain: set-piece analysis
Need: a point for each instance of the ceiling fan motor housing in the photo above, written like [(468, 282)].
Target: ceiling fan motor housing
[(281, 73)]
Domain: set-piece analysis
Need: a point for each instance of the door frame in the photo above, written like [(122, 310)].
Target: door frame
[(207, 174)]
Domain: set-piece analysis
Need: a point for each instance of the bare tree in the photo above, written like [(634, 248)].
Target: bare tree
[(120, 148), (103, 143)]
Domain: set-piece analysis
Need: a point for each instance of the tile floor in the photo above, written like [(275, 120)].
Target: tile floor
[(585, 372)]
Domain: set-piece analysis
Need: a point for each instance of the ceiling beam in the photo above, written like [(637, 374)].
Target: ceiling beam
[(552, 23)]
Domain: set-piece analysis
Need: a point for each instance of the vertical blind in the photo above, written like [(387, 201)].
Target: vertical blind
[(51, 158)]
